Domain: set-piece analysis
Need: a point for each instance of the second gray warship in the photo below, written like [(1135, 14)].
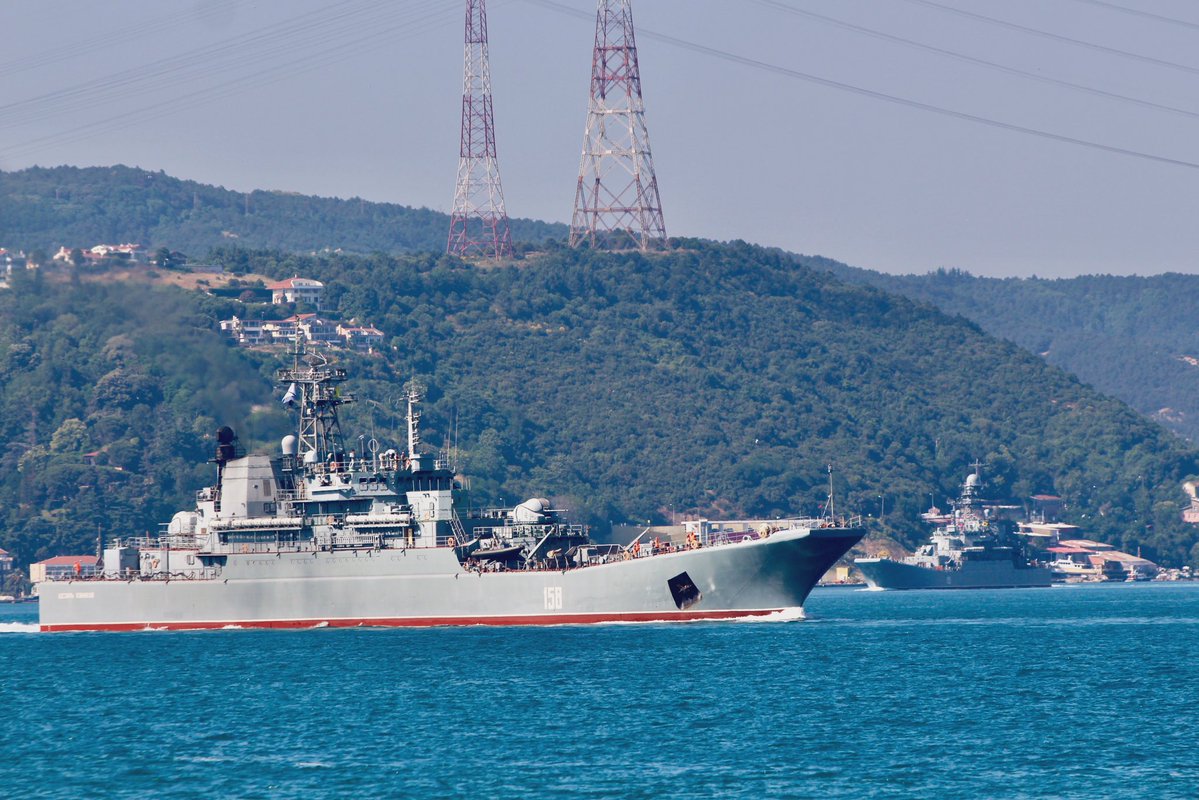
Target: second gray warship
[(324, 536), (969, 551)]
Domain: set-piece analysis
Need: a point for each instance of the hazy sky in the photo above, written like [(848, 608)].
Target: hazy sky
[(362, 98)]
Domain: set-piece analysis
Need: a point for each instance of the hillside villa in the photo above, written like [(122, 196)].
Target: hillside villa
[(297, 290), (312, 328)]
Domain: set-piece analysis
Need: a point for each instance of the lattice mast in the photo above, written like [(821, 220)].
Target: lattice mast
[(478, 223), (616, 203), (313, 386)]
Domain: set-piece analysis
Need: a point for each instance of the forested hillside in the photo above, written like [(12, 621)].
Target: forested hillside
[(1134, 338), (131, 374), (43, 209), (718, 379)]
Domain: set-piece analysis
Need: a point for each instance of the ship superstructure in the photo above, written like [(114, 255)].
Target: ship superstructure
[(323, 534), (970, 549)]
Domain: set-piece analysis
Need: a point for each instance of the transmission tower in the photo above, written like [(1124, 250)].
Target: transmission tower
[(478, 223), (616, 204)]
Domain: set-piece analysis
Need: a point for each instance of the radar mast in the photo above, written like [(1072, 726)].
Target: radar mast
[(313, 387)]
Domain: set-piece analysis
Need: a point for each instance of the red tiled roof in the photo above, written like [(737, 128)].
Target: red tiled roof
[(290, 283), (70, 561), (1124, 558)]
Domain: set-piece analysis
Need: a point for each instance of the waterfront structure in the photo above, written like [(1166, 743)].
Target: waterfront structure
[(1088, 560), (1191, 512), (64, 568)]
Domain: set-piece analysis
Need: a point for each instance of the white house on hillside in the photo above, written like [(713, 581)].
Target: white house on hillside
[(297, 290)]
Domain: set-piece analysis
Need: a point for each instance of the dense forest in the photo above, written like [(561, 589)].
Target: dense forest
[(712, 379), (42, 209), (1130, 337), (1135, 338)]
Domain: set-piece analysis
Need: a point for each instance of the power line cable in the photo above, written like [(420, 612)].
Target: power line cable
[(100, 41), (781, 6), (203, 61), (323, 38), (311, 60), (890, 98), (1160, 62), (1140, 13)]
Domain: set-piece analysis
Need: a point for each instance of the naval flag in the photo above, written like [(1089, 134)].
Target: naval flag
[(290, 397)]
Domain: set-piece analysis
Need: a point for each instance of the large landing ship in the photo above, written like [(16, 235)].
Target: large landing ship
[(324, 536)]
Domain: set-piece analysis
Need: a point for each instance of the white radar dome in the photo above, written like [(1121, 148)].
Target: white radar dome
[(531, 510)]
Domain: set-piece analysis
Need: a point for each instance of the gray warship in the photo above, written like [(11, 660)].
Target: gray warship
[(969, 551), (323, 536)]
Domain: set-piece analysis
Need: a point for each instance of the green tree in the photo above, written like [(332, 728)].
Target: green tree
[(16, 584), (71, 437)]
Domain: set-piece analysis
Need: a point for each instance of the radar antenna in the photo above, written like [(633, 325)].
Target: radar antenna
[(413, 422)]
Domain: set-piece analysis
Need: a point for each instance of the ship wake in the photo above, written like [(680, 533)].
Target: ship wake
[(795, 614)]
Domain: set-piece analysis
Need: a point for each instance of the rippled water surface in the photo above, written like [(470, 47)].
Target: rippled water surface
[(1065, 692)]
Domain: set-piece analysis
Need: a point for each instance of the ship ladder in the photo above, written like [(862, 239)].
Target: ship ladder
[(456, 526)]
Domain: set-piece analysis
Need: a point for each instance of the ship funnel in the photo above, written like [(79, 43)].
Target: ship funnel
[(290, 445), (226, 445)]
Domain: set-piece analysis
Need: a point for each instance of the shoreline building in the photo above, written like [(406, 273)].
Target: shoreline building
[(61, 568)]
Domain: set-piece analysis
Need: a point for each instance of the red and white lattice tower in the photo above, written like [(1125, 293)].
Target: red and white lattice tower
[(616, 204), (478, 223)]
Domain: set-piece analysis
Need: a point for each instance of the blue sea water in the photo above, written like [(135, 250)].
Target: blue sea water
[(1078, 692)]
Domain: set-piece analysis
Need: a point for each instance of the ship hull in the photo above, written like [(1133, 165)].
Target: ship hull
[(883, 573), (428, 587)]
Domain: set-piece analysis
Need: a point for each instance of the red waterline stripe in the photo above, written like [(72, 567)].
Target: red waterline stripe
[(416, 622)]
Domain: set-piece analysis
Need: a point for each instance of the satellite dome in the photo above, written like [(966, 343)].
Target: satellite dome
[(289, 444), (972, 479)]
